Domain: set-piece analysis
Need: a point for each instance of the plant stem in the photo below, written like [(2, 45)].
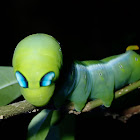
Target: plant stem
[(24, 107), (15, 109), (92, 104)]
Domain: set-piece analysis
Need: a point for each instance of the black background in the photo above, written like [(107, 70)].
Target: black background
[(85, 30)]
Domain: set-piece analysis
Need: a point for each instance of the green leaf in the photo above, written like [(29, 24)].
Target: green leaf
[(54, 133), (9, 87), (67, 127), (39, 126), (64, 130)]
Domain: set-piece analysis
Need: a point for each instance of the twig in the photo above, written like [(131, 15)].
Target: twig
[(24, 107), (15, 109), (129, 113), (93, 104), (125, 115)]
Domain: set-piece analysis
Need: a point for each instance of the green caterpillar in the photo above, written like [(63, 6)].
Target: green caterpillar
[(37, 62)]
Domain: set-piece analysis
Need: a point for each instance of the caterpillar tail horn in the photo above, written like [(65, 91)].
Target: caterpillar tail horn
[(132, 47)]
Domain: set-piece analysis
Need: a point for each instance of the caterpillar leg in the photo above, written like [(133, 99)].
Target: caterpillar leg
[(132, 47)]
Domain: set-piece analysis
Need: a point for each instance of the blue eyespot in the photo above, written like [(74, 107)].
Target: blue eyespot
[(46, 80), (21, 80)]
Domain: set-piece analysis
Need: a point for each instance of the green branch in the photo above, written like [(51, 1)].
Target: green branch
[(24, 107), (93, 104)]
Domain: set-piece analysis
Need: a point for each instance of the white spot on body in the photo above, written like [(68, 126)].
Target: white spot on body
[(100, 74), (85, 77), (120, 66), (136, 59), (60, 49)]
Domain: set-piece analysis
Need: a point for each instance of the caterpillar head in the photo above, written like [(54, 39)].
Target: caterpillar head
[(36, 61)]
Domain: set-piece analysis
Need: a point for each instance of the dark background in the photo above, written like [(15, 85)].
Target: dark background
[(85, 31)]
